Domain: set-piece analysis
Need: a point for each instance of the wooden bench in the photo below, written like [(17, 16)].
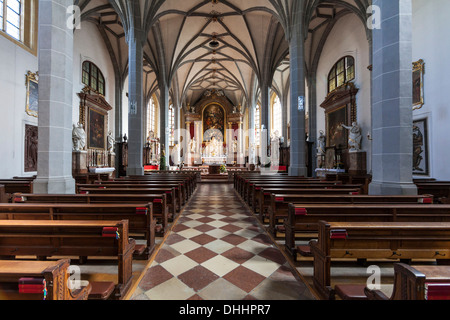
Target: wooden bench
[(3, 196), (26, 280), (189, 181), (254, 202), (170, 193), (255, 195), (178, 194), (265, 199), (14, 185), (180, 186), (302, 220), (158, 201), (440, 190), (71, 238), (139, 215), (377, 240), (421, 282)]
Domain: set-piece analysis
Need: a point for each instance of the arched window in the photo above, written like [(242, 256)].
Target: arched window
[(151, 116), (257, 125), (277, 121), (93, 77), (341, 73), (171, 126)]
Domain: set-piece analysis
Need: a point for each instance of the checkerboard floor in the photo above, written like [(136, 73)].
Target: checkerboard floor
[(218, 251)]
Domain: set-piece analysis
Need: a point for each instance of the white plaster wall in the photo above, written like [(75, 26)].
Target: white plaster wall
[(430, 43), (348, 37), (15, 62), (89, 45)]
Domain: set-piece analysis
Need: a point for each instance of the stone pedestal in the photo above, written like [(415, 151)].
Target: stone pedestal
[(79, 162), (112, 159), (355, 163)]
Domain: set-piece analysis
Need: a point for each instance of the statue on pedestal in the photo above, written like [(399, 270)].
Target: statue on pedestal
[(111, 142), (275, 149), (193, 145), (321, 143), (354, 138), (78, 137)]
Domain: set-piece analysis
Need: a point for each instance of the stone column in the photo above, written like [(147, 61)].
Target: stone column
[(297, 73), (265, 123), (251, 136), (54, 169), (392, 100), (164, 120), (136, 101)]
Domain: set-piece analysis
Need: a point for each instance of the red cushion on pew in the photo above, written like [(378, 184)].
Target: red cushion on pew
[(304, 251), (351, 291), (139, 249), (101, 290)]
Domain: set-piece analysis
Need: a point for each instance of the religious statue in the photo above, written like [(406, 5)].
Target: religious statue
[(354, 138), (321, 143), (214, 146), (111, 142), (151, 136), (275, 149), (193, 145), (235, 145), (78, 137), (417, 148)]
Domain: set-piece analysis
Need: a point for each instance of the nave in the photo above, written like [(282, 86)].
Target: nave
[(217, 250)]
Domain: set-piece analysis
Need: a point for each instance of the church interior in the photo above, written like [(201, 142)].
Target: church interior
[(224, 150)]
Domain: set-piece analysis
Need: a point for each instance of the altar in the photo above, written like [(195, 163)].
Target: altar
[(214, 160)]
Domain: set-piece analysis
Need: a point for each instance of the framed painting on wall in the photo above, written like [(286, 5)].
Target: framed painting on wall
[(336, 134), (32, 93), (418, 92), (420, 147), (96, 129)]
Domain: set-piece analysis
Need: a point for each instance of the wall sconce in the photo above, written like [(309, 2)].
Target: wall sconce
[(369, 137)]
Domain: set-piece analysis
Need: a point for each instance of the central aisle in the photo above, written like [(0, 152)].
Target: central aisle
[(218, 251)]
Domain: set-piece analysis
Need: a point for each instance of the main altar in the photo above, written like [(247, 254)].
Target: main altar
[(215, 129)]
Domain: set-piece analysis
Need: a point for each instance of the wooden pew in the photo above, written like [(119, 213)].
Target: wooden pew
[(51, 275), (303, 219), (421, 282), (180, 184), (13, 185), (139, 216), (262, 194), (3, 196), (346, 178), (253, 189), (241, 179), (382, 240), (179, 193), (186, 183), (279, 203), (188, 178), (439, 189), (158, 201), (71, 238), (172, 199)]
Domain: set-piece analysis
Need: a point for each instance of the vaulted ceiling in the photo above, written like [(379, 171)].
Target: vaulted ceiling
[(229, 45)]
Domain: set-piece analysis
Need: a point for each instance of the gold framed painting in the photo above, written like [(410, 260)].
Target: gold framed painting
[(32, 86), (417, 81)]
